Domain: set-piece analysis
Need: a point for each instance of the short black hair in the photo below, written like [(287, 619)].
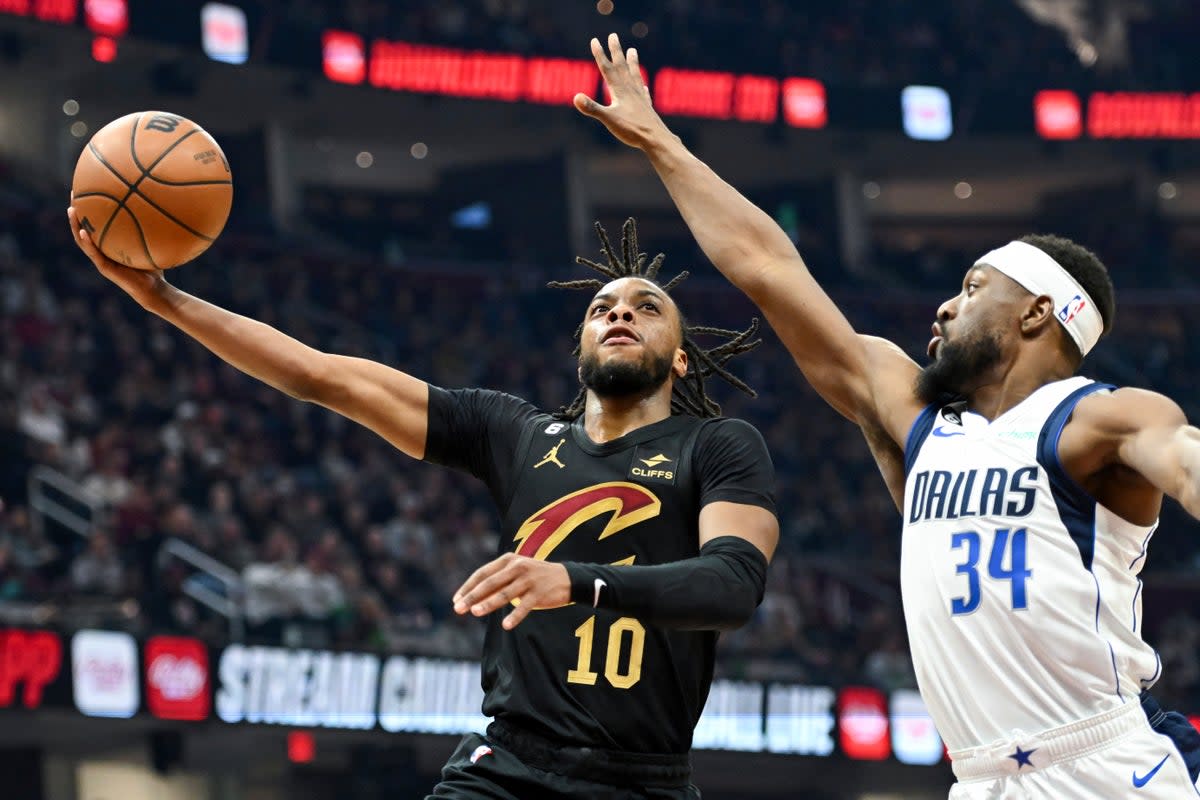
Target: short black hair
[(1086, 268)]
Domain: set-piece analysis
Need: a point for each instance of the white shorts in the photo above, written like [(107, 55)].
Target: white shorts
[(1117, 754)]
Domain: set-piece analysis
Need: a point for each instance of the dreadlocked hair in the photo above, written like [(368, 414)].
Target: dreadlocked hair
[(688, 395)]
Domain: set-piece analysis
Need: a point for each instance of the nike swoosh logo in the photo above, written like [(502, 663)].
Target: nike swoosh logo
[(1140, 782), (599, 584), (941, 431)]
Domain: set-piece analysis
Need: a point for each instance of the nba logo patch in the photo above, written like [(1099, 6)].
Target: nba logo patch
[(1072, 309), (480, 752)]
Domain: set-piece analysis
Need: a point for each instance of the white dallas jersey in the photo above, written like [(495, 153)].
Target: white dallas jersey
[(1021, 592)]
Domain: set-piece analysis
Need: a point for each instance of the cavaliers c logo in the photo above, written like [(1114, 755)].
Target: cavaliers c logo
[(548, 526)]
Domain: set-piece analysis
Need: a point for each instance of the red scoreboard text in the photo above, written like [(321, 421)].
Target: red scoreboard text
[(1059, 114), (401, 66), (63, 12)]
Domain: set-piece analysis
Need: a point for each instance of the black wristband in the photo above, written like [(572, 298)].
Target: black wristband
[(717, 590), (583, 583)]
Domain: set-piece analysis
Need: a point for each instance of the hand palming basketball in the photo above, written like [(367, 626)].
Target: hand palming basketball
[(152, 189)]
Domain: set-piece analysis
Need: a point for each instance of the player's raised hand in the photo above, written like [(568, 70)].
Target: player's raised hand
[(138, 283), (630, 117), (528, 583)]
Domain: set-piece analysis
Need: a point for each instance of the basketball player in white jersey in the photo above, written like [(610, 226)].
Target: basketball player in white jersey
[(1029, 495)]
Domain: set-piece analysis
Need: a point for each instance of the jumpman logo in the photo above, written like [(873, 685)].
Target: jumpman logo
[(552, 457)]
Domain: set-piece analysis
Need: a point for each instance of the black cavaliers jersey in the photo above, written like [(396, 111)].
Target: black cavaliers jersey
[(579, 675)]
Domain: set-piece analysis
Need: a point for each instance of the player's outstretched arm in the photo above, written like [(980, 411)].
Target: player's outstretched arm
[(389, 402), (751, 250), (1145, 432)]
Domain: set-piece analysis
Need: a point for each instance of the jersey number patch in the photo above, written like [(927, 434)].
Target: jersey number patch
[(621, 678), (1006, 542)]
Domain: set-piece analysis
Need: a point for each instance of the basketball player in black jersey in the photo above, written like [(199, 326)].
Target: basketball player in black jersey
[(638, 525)]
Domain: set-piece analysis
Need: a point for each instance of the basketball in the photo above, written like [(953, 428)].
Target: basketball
[(152, 189)]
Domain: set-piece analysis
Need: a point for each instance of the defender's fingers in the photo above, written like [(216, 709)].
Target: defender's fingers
[(598, 53), (635, 66), (615, 53), (589, 107)]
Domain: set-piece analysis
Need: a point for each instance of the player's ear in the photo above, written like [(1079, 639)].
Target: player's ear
[(680, 364), (1037, 313)]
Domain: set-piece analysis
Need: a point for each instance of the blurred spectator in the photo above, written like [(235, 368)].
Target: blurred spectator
[(108, 484), (40, 418), (12, 577), (30, 549), (97, 570)]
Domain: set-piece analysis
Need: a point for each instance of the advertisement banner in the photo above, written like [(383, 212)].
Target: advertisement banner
[(863, 722), (177, 684), (30, 661), (104, 673), (182, 679)]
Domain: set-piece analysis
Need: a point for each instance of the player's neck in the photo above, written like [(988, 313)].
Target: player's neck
[(1007, 390), (608, 418)]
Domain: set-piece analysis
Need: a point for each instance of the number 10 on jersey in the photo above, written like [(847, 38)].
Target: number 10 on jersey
[(621, 678), (1006, 543)]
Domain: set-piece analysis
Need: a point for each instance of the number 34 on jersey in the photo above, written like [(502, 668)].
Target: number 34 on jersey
[(1006, 546)]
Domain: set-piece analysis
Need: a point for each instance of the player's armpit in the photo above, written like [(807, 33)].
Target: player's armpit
[(889, 458), (391, 403)]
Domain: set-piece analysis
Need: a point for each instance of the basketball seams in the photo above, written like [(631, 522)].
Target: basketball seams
[(106, 195), (100, 157), (95, 151), (166, 182), (146, 170), (141, 235), (133, 189), (137, 123), (133, 186), (172, 217), (133, 148)]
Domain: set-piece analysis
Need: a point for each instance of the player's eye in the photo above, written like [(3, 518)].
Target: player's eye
[(649, 305), (599, 308)]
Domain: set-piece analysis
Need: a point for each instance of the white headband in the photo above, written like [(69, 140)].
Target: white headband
[(1039, 273)]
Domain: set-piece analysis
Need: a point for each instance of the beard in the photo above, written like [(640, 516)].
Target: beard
[(958, 367), (624, 378)]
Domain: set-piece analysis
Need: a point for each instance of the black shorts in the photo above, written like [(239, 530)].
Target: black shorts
[(508, 764)]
